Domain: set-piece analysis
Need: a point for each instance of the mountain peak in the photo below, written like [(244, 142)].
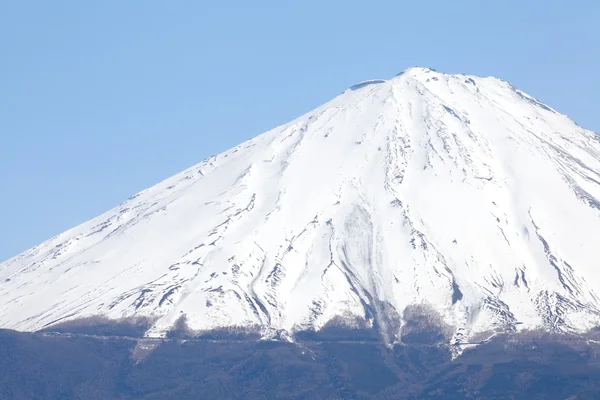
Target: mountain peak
[(412, 71), (453, 198), (417, 70)]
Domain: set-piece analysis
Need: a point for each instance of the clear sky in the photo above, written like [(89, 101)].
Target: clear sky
[(99, 100)]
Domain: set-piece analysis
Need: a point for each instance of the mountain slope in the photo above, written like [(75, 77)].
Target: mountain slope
[(457, 197)]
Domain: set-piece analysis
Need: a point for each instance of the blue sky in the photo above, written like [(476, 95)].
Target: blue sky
[(99, 100)]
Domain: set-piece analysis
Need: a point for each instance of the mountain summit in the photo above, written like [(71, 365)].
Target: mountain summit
[(453, 197)]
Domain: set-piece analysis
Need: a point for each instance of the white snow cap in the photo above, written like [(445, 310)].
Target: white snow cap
[(457, 193)]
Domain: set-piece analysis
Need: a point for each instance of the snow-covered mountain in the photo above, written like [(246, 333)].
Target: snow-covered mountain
[(461, 195)]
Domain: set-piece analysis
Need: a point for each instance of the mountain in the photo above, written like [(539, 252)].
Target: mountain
[(447, 200)]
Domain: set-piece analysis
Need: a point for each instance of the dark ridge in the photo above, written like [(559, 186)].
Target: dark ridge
[(101, 326), (423, 326), (167, 295), (337, 330), (181, 331), (523, 279), (139, 301), (456, 293), (450, 111), (523, 366)]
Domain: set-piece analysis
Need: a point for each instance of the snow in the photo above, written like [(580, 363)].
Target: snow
[(452, 191)]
